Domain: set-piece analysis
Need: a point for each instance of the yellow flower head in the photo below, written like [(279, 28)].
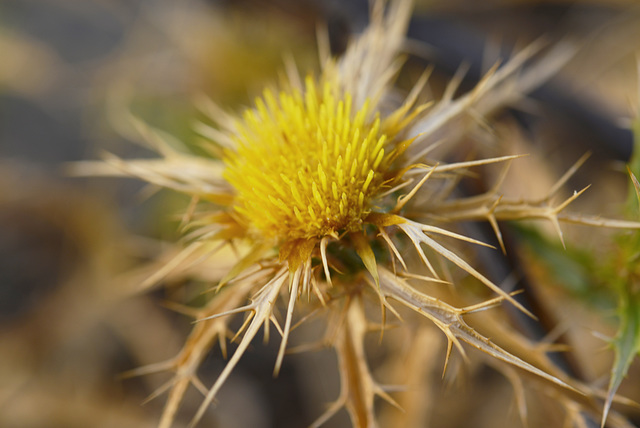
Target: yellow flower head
[(307, 165)]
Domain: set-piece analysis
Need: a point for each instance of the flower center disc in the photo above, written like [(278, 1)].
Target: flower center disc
[(306, 166)]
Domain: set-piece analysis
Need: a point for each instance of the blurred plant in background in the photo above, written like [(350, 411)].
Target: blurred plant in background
[(75, 317)]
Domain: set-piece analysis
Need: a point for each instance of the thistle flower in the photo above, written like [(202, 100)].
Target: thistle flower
[(311, 185)]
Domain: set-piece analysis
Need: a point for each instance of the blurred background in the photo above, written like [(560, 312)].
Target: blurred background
[(69, 69)]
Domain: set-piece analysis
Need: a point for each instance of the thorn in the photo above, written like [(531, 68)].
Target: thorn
[(180, 308), (567, 175), (323, 253), (386, 397), (246, 308), (222, 342), (277, 325), (159, 391), (556, 226), (501, 178), (447, 356), (423, 278), (199, 385), (494, 223), (455, 82), (295, 284), (242, 327), (402, 200), (392, 248), (487, 305), (572, 198), (636, 184), (188, 214)]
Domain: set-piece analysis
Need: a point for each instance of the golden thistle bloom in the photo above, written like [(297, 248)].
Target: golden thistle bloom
[(306, 166), (309, 183)]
